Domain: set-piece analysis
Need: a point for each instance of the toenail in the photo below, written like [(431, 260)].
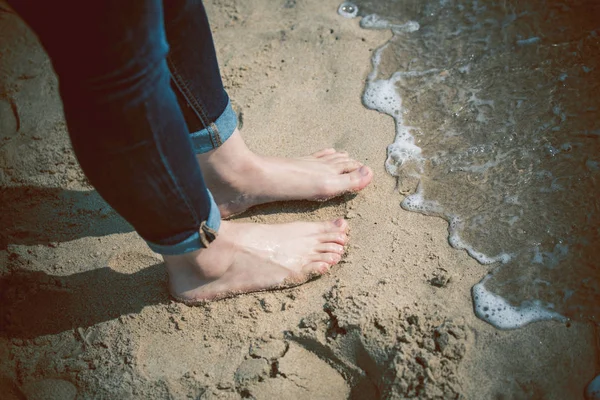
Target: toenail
[(364, 171), (338, 222)]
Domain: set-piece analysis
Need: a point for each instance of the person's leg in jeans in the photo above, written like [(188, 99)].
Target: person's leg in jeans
[(238, 178), (125, 125), (132, 142)]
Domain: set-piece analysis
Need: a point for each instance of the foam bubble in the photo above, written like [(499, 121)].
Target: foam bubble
[(498, 312), (381, 95), (416, 202), (410, 26), (512, 199), (348, 10), (374, 21), (592, 392)]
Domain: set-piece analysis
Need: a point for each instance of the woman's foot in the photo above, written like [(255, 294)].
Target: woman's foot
[(239, 179), (253, 257)]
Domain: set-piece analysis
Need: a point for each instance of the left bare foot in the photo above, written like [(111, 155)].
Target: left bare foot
[(247, 258), (240, 179)]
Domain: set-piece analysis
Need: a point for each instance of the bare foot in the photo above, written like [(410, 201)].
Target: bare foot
[(240, 179), (253, 257)]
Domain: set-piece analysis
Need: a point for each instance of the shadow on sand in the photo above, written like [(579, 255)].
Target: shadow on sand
[(36, 303), (39, 215), (33, 304)]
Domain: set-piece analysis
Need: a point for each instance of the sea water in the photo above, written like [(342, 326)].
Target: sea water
[(497, 112)]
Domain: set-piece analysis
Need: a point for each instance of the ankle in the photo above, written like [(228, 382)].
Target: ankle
[(229, 164), (206, 263), (187, 266)]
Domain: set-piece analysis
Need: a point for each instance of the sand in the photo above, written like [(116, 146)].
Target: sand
[(84, 308)]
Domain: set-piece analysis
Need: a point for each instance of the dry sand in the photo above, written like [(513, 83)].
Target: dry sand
[(85, 311)]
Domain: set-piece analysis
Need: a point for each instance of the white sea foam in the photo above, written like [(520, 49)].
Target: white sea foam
[(480, 113), (417, 203), (499, 313), (455, 241), (382, 95), (374, 21)]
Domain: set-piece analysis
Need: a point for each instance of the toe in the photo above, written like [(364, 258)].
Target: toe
[(334, 237), (329, 258), (330, 248), (334, 226), (337, 156), (324, 152), (350, 182), (345, 166), (316, 268)]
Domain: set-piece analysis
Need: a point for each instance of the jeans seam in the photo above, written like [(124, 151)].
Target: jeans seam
[(189, 97), (215, 129)]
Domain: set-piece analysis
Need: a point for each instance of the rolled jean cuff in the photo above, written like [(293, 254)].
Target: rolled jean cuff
[(201, 239), (216, 133)]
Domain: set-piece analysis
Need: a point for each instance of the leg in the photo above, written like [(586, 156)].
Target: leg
[(132, 142), (238, 178), (126, 128)]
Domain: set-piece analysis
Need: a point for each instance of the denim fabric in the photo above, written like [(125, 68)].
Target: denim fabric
[(127, 129), (195, 75), (216, 133), (198, 239)]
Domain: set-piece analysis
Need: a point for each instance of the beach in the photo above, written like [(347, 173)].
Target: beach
[(85, 308)]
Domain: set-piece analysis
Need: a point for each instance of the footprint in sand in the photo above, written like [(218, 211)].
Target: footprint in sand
[(268, 370), (298, 374), (208, 360)]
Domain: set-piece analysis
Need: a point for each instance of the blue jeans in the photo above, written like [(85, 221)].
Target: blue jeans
[(136, 77)]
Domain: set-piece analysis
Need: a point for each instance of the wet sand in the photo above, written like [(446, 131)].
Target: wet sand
[(85, 310)]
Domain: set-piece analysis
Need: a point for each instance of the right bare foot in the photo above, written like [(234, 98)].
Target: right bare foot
[(239, 179), (254, 257)]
